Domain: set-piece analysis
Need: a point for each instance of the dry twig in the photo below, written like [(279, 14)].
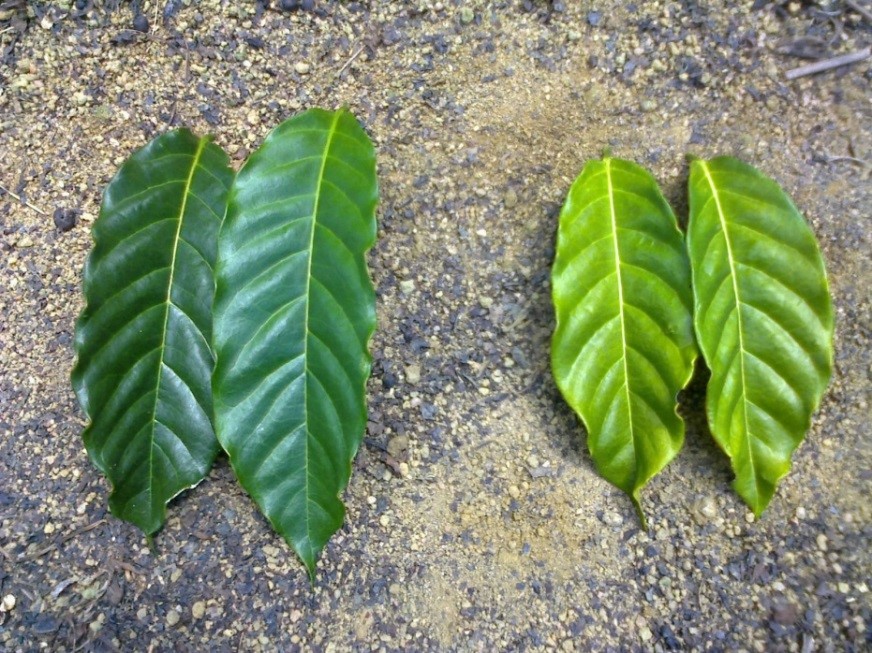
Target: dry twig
[(829, 64), (351, 60), (65, 538), (860, 9), (25, 202)]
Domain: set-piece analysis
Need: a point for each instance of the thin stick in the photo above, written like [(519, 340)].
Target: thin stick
[(848, 159), (65, 538), (860, 9), (350, 61), (828, 64), (26, 203)]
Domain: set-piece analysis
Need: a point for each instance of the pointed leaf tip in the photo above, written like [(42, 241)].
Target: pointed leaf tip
[(640, 514)]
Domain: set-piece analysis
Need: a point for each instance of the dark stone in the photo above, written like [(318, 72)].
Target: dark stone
[(65, 219), (785, 614), (428, 411), (390, 35), (45, 624), (171, 8), (667, 636), (140, 23)]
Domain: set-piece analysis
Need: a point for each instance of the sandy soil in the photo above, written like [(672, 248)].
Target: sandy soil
[(476, 521)]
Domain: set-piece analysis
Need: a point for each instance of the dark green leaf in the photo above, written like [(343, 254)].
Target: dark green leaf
[(763, 319), (624, 346), (294, 312), (144, 362)]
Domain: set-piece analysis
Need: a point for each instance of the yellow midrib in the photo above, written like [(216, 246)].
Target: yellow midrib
[(315, 206), (739, 327), (614, 219), (168, 302)]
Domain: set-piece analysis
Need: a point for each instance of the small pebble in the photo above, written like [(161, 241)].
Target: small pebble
[(140, 23), (510, 199), (785, 614), (705, 510), (302, 67), (613, 518), (65, 219), (398, 445), (413, 374), (467, 15), (173, 618), (407, 286), (198, 610)]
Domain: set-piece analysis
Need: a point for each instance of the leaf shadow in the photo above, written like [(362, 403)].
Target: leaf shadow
[(561, 430), (699, 444)]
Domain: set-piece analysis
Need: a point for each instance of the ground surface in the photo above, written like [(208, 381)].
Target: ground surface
[(476, 521)]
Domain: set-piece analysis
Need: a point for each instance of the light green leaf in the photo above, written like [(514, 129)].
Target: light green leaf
[(144, 362), (294, 312), (763, 318), (624, 346)]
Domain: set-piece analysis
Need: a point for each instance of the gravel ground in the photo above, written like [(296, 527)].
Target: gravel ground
[(476, 521)]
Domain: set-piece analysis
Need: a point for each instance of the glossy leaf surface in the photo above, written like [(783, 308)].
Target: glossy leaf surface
[(763, 318), (294, 312), (144, 361), (624, 345)]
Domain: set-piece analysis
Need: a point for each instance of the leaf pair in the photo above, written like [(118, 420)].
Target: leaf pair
[(282, 354), (628, 300)]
